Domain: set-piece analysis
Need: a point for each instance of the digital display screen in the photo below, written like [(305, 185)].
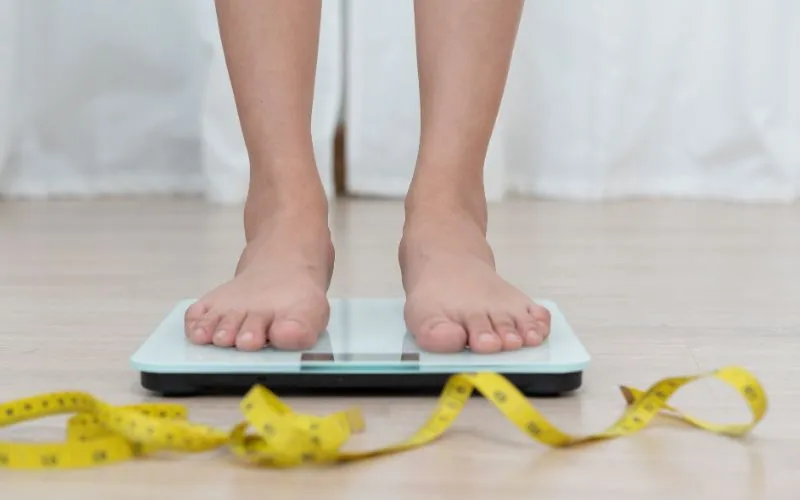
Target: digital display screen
[(328, 357)]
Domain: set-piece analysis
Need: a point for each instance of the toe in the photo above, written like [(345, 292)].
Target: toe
[(193, 314), (253, 333), (543, 320), (203, 329), (506, 328), (481, 334), (528, 327), (440, 335), (299, 326), (292, 335), (227, 328)]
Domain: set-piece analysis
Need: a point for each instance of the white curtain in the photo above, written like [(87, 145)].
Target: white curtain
[(132, 97), (688, 98), (8, 59), (619, 98)]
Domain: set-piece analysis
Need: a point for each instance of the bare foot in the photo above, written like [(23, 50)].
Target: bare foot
[(454, 296), (279, 292)]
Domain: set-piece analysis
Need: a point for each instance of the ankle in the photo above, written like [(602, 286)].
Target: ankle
[(447, 196), (280, 174), (291, 197), (448, 222)]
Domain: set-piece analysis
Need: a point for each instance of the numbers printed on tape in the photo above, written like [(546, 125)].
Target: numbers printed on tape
[(100, 434)]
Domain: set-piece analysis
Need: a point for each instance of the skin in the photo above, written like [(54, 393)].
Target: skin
[(454, 296)]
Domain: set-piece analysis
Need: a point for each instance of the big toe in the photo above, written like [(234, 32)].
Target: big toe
[(440, 335), (299, 326), (293, 334)]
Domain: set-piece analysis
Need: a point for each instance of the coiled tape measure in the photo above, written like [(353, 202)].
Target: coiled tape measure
[(272, 435)]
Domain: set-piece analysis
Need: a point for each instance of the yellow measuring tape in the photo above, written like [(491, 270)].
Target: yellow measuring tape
[(273, 435)]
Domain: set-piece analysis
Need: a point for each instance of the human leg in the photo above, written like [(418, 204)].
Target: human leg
[(278, 292), (454, 295)]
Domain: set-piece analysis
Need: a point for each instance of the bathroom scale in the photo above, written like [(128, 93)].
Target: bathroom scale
[(365, 349)]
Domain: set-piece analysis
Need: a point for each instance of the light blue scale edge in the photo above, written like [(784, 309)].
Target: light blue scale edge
[(369, 331)]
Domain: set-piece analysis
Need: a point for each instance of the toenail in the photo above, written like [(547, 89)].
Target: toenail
[(219, 335), (532, 335), (246, 337), (486, 337), (198, 333), (513, 336)]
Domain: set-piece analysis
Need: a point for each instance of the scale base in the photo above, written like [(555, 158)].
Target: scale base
[(298, 384), (365, 350)]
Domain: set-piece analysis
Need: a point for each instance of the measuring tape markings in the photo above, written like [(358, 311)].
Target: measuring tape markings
[(100, 433)]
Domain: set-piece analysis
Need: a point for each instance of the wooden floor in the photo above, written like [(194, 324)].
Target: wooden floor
[(653, 289)]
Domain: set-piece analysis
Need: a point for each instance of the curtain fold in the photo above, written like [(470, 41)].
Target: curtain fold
[(9, 49)]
